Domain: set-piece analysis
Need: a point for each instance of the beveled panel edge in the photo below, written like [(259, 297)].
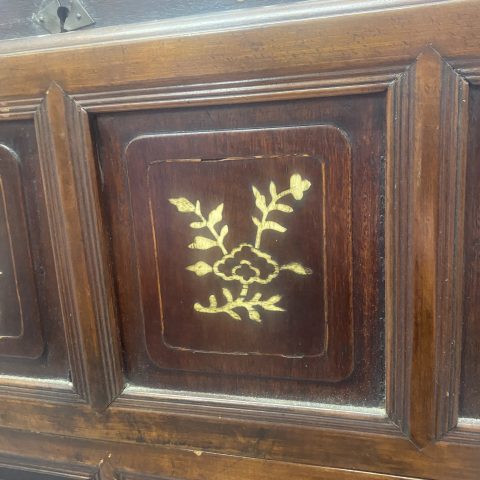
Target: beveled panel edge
[(41, 390), (232, 407), (358, 82), (18, 109), (439, 308), (344, 140), (69, 183), (350, 82), (458, 75)]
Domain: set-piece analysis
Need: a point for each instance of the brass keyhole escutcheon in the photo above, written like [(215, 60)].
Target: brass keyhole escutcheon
[(59, 16), (62, 13)]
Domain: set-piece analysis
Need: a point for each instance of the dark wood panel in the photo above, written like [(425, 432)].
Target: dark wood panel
[(18, 298), (28, 294), (470, 385), (124, 182), (422, 206), (260, 310)]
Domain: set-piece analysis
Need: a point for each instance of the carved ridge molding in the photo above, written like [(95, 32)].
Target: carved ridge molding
[(425, 184), (70, 186), (400, 130)]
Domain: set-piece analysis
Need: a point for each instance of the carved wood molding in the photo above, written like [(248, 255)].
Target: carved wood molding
[(345, 44), (355, 82), (115, 461), (404, 203), (426, 178), (69, 178), (22, 465)]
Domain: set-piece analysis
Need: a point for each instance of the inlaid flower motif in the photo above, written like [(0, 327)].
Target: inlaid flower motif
[(246, 264)]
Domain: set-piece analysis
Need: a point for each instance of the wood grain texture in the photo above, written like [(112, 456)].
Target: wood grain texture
[(115, 133), (321, 63), (39, 351), (470, 392), (70, 191), (428, 182), (359, 44), (103, 461), (313, 339), (20, 332)]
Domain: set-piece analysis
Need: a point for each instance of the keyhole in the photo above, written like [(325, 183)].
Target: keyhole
[(62, 13)]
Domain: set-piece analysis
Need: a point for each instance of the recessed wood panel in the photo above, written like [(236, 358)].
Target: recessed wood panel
[(251, 292), (31, 329), (20, 332), (204, 303)]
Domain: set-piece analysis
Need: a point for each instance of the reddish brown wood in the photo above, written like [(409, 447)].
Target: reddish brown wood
[(396, 81), (470, 390), (20, 317), (32, 342), (142, 152), (69, 187)]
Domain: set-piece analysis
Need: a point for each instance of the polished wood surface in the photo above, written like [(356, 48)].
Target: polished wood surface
[(124, 151), (366, 367)]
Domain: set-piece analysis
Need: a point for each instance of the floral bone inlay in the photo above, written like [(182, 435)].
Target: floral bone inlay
[(246, 263)]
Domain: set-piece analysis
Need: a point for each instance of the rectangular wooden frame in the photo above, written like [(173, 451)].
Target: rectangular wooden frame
[(426, 85)]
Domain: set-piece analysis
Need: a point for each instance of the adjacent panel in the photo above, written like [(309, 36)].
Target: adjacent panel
[(31, 329), (257, 233), (20, 333), (470, 385)]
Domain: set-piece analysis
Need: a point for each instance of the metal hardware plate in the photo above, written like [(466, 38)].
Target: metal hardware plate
[(77, 17)]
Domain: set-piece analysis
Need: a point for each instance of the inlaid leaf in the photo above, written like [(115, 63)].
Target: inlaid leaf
[(213, 301), (223, 232), (254, 315), (260, 201), (227, 294), (200, 268), (256, 221), (183, 205), (273, 190), (274, 299), (234, 315), (270, 304), (256, 297), (274, 226), (284, 208), (198, 224), (215, 215), (202, 243), (297, 268)]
